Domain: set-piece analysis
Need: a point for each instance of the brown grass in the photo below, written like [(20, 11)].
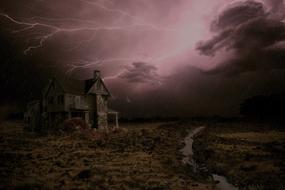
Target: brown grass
[(260, 137), (250, 156), (136, 158)]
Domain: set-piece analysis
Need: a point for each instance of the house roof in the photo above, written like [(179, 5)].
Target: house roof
[(72, 86)]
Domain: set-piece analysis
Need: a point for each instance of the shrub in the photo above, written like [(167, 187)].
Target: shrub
[(74, 124)]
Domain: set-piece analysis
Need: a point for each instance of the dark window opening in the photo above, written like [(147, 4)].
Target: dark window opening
[(50, 100), (60, 99)]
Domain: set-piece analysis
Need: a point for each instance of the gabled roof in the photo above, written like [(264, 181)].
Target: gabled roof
[(73, 86), (94, 90)]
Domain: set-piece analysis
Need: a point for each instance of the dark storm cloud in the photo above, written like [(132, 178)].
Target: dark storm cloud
[(99, 39), (140, 72), (277, 8), (251, 33), (216, 43), (181, 95), (238, 14)]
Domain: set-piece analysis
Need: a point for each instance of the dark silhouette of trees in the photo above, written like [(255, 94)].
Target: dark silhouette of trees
[(261, 107)]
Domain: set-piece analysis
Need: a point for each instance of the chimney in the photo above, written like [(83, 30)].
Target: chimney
[(96, 74)]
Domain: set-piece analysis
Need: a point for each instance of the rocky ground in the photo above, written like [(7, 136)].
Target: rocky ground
[(145, 156), (249, 155)]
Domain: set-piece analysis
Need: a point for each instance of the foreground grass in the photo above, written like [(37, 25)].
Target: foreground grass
[(144, 157), (249, 155)]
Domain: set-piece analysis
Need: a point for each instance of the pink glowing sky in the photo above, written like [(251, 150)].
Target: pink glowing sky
[(149, 48), (116, 32)]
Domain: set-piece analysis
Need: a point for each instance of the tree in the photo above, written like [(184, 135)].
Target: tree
[(264, 107)]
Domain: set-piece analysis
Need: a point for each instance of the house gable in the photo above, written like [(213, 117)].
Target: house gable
[(53, 88), (53, 97), (99, 88)]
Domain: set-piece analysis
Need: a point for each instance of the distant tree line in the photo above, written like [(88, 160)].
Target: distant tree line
[(271, 107)]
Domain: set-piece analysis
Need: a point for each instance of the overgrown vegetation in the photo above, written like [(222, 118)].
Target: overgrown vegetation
[(249, 155), (144, 157)]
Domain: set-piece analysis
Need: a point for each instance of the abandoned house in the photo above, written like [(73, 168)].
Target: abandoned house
[(69, 98)]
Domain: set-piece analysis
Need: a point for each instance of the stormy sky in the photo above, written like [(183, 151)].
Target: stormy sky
[(158, 57)]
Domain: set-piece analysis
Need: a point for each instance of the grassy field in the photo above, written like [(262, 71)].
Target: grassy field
[(141, 156), (249, 155)]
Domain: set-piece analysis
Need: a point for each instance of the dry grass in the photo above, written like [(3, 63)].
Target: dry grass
[(247, 157), (260, 137), (142, 157)]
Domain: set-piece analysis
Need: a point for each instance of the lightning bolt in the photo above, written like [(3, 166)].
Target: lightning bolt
[(75, 65), (56, 29), (26, 26), (41, 29), (137, 20)]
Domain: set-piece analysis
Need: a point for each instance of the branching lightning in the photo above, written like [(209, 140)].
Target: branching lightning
[(75, 65), (38, 30)]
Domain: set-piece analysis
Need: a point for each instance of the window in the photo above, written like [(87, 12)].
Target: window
[(82, 100), (77, 100), (60, 99), (50, 101)]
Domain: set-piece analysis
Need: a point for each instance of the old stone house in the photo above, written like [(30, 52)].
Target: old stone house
[(69, 98)]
